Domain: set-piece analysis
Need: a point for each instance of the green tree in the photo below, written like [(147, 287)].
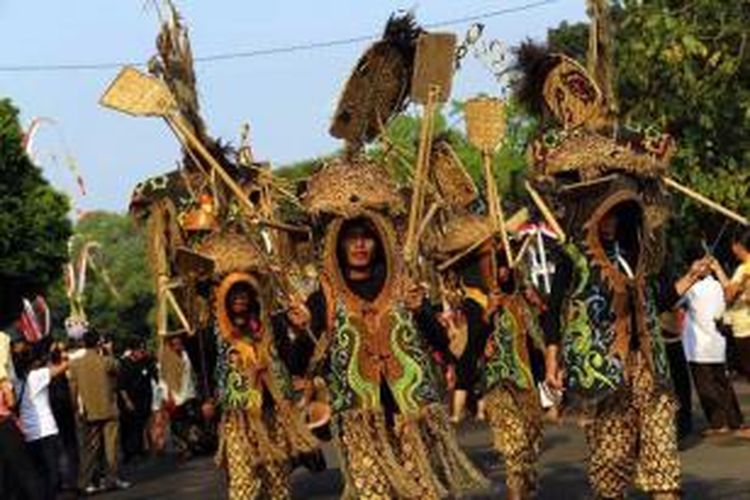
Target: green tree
[(33, 222)]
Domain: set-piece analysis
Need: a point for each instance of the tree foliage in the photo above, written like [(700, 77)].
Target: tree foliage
[(33, 222)]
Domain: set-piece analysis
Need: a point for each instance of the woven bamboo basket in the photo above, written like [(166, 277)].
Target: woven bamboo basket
[(450, 176), (138, 94), (485, 122)]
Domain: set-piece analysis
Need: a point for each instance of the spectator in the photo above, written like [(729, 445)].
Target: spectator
[(65, 415), (737, 290), (159, 422), (92, 379), (137, 371), (705, 349), (37, 420), (17, 478), (672, 322), (187, 423)]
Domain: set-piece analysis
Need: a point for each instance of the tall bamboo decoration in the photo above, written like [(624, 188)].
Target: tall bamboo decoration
[(431, 85), (485, 127), (138, 94)]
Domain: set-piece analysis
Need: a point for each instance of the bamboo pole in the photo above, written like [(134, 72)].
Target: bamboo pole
[(468, 250), (705, 201), (420, 176), (522, 251), (427, 219), (178, 311), (188, 139), (549, 217)]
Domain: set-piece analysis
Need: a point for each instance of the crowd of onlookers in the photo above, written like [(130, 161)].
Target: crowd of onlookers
[(712, 342), (72, 413)]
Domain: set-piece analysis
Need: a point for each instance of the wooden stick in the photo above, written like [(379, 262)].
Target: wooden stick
[(187, 136), (468, 250), (546, 211), (587, 184), (178, 310), (282, 226), (522, 251), (427, 219), (497, 219), (420, 177), (188, 139), (706, 201)]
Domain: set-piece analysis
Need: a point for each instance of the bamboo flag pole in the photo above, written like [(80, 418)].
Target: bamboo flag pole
[(421, 171), (706, 201)]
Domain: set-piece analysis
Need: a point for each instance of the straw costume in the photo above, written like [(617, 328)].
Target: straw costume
[(500, 321), (605, 182), (216, 278), (374, 351)]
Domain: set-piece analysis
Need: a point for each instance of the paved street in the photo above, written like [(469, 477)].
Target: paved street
[(713, 469)]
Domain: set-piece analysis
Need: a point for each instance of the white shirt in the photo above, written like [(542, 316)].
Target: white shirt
[(37, 420), (700, 337), (187, 386)]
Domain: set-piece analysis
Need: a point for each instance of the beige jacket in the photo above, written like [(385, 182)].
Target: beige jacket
[(93, 379)]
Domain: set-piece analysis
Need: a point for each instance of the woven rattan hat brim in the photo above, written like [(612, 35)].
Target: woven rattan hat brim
[(231, 252), (593, 155), (345, 188)]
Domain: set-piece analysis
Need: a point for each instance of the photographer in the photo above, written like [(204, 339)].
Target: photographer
[(705, 348)]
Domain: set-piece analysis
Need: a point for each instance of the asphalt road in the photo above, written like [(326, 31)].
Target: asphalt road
[(716, 468)]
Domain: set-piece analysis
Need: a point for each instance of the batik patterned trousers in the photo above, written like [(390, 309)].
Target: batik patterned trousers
[(515, 419), (633, 440)]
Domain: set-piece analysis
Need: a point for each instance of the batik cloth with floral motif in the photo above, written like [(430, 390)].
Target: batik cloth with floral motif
[(632, 438)]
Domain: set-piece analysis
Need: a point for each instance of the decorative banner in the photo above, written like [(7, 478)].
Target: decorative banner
[(28, 138), (30, 325), (75, 275), (29, 141)]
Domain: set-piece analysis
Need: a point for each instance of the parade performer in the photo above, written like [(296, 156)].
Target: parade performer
[(603, 315), (500, 320), (216, 264), (374, 333), (262, 430)]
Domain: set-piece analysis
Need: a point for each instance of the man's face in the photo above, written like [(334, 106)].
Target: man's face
[(739, 251), (176, 344), (608, 227), (359, 247), (240, 302)]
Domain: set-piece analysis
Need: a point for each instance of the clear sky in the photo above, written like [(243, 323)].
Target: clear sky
[(287, 98)]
